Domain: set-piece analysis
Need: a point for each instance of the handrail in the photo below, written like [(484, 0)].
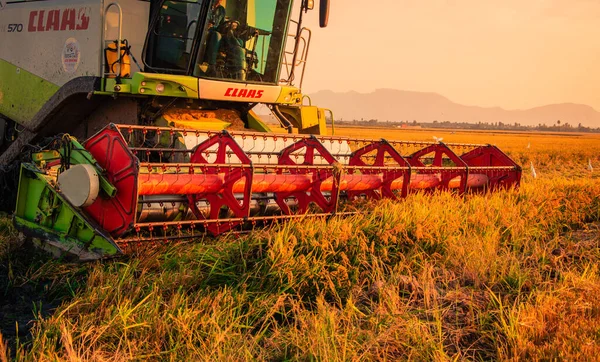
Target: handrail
[(119, 40), (299, 56), (332, 121), (304, 58)]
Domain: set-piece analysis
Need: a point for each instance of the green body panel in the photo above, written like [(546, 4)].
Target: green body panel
[(308, 119), (290, 95), (255, 123), (144, 84), (22, 94), (111, 86), (174, 85), (43, 212)]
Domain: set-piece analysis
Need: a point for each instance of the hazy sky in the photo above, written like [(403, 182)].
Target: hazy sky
[(507, 53)]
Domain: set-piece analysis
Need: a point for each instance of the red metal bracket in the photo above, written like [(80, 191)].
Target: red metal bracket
[(116, 214), (458, 167), (226, 148), (292, 156), (383, 151), (491, 156)]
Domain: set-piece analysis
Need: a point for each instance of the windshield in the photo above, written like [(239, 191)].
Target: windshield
[(172, 36), (243, 40)]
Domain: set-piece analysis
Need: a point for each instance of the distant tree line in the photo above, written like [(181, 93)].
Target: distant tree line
[(558, 126)]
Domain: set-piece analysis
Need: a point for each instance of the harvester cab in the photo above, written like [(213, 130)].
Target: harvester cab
[(69, 65), (130, 122)]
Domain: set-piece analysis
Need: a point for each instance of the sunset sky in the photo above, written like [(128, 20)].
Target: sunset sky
[(507, 53)]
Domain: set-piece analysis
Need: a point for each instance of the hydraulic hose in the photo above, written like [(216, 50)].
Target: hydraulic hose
[(283, 119)]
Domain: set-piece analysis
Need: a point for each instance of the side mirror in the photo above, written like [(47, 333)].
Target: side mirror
[(324, 13)]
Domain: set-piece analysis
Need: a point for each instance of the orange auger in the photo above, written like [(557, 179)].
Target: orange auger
[(222, 180)]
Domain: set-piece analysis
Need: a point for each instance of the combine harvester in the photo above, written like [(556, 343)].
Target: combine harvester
[(173, 148)]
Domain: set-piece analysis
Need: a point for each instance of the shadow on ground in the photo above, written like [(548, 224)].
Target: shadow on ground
[(32, 284)]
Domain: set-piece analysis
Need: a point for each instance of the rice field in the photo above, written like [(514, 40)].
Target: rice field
[(503, 276)]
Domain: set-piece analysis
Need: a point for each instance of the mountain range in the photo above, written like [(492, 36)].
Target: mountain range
[(399, 105)]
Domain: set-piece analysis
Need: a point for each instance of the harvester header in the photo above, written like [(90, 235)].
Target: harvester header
[(140, 191)]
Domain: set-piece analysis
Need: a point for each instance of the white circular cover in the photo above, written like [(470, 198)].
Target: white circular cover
[(80, 185)]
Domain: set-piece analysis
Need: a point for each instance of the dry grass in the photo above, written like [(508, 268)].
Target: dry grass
[(495, 277)]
